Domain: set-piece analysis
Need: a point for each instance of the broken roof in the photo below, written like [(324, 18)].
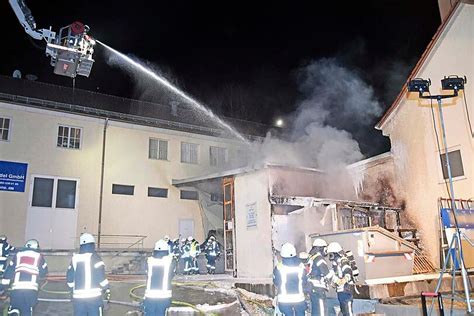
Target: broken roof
[(429, 49)]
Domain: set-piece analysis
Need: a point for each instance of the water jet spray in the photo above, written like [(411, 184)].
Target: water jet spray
[(160, 80)]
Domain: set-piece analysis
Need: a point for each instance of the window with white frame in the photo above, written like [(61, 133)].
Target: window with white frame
[(158, 149), (189, 153), (69, 137), (217, 156), (4, 128)]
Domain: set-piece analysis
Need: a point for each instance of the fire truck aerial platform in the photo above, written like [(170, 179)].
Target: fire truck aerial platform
[(70, 49)]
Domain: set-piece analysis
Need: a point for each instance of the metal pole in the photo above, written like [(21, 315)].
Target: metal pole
[(101, 194), (453, 207)]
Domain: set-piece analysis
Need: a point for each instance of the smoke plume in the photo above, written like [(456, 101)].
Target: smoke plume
[(335, 103)]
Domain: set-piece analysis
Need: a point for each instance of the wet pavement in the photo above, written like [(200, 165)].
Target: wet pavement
[(186, 291)]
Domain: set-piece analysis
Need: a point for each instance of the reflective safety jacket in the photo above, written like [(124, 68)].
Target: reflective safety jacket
[(186, 250), (289, 277), (195, 249), (343, 271), (25, 270), (86, 275), (5, 250), (319, 271), (159, 275), (212, 249)]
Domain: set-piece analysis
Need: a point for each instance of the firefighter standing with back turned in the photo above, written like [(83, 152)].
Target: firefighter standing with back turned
[(86, 279), (25, 271), (160, 272), (289, 277)]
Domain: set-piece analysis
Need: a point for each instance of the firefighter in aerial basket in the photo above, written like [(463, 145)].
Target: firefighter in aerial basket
[(86, 279), (24, 273), (160, 272), (318, 277), (289, 277), (342, 279)]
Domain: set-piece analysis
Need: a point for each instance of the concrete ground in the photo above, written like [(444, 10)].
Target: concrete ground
[(202, 292)]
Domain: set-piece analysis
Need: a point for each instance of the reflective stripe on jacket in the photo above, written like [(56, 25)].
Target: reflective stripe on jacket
[(159, 275), (291, 288), (86, 276), (25, 269)]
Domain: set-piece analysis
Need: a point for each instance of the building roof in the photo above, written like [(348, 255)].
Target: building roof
[(391, 110), (65, 99), (236, 171)]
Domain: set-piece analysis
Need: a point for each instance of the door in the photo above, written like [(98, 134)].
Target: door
[(186, 228), (52, 211), (229, 238)]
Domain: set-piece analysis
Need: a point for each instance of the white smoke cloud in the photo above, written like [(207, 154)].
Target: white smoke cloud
[(335, 102)]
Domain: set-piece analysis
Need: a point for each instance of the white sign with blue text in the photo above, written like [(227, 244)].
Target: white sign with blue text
[(12, 176), (251, 215)]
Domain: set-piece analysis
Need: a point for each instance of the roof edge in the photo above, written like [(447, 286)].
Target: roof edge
[(391, 110)]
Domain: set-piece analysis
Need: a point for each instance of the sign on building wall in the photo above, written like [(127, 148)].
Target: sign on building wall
[(12, 176), (251, 215)]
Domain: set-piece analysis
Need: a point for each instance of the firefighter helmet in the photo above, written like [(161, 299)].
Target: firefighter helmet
[(288, 250), (32, 244)]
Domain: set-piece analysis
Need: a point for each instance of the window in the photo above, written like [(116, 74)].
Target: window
[(158, 149), (189, 153), (455, 161), (42, 192), (189, 195), (4, 128), (157, 192), (218, 156), (66, 194), (123, 189), (44, 189), (69, 137)]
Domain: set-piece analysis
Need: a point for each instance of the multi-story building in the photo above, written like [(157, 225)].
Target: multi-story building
[(74, 161)]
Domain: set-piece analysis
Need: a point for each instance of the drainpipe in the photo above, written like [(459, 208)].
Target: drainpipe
[(101, 196)]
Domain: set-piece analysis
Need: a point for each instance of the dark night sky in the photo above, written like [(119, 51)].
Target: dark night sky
[(246, 52)]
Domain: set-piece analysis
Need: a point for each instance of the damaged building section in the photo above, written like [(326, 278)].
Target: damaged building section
[(266, 206)]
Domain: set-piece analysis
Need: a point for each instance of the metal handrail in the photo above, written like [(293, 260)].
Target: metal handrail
[(128, 244)]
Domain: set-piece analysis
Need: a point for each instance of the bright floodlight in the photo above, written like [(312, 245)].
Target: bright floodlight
[(279, 122)]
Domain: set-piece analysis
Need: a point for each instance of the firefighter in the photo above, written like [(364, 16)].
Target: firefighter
[(176, 253), (160, 272), (169, 242), (342, 278), (24, 271), (194, 254), (188, 261), (212, 251), (318, 276), (5, 250), (86, 279), (289, 277)]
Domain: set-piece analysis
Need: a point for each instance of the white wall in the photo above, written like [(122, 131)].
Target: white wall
[(33, 141), (254, 245), (412, 136)]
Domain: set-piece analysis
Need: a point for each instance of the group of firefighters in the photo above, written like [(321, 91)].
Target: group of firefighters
[(311, 273), (293, 276), (190, 249), (23, 270)]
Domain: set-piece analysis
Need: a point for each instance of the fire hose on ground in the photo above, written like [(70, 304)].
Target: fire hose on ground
[(137, 299)]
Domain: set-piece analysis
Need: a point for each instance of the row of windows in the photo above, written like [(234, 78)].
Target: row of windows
[(153, 192), (70, 137)]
